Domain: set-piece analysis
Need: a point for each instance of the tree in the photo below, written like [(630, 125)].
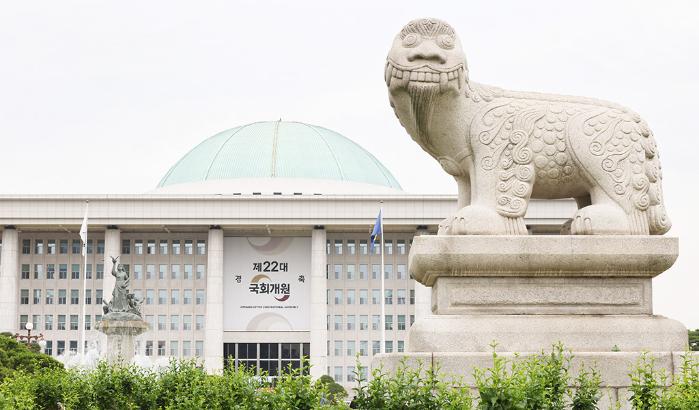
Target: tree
[(694, 340), (16, 355), (336, 391)]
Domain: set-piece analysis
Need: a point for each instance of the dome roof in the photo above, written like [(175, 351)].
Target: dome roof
[(279, 150)]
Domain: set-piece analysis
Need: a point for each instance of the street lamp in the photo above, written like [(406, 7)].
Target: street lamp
[(29, 338)]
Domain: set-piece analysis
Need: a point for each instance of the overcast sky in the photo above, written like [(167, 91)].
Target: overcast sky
[(103, 97)]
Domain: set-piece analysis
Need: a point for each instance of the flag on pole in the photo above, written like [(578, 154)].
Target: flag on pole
[(83, 232), (376, 231)]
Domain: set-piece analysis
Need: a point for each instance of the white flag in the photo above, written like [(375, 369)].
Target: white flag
[(83, 231)]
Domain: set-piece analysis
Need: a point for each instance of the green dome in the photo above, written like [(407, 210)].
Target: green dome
[(279, 149)]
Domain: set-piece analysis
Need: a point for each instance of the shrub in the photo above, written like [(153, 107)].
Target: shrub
[(16, 355), (587, 392), (684, 392)]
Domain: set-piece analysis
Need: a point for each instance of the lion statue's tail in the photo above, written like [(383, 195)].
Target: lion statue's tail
[(658, 221)]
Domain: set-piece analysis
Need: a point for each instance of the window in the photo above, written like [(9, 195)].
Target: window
[(338, 271), (98, 297), (363, 271), (400, 246), (176, 247), (98, 318), (375, 271), (363, 296), (74, 296), (364, 348), (125, 246), (375, 296), (162, 296), (201, 271), (338, 322), (138, 248), (99, 271), (161, 348), (150, 272), (75, 271), (89, 246), (388, 271), (350, 348), (338, 348), (188, 247), (162, 325), (375, 346), (88, 296), (175, 297), (63, 247), (363, 247), (350, 296), (199, 348), (351, 322), (351, 247), (388, 244), (375, 322), (36, 322), (363, 322), (63, 271), (48, 322), (350, 272), (400, 297), (137, 272), (350, 374), (389, 346), (25, 271), (150, 247), (338, 296), (73, 322), (187, 297), (23, 319), (174, 348), (149, 348), (401, 346), (62, 294), (338, 374), (39, 247), (200, 297), (76, 247), (187, 272), (26, 246), (388, 323), (199, 322), (88, 322), (50, 271), (400, 271), (388, 296), (24, 296), (100, 246), (150, 296), (37, 296), (175, 272), (60, 347), (163, 248), (88, 271), (161, 271), (49, 296), (338, 247), (174, 322), (51, 247), (48, 348), (201, 247), (187, 322), (38, 271), (401, 322)]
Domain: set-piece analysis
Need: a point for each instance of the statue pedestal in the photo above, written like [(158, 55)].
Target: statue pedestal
[(592, 293), (120, 338)]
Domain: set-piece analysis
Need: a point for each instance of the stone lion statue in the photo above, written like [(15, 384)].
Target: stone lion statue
[(505, 147)]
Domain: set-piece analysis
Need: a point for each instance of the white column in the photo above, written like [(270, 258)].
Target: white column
[(112, 247), (319, 307), (423, 294), (9, 271), (213, 337)]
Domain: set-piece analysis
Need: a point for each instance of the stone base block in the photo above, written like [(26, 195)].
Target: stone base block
[(120, 338), (532, 333)]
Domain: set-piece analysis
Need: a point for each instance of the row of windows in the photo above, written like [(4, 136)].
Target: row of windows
[(163, 247), (363, 347), (351, 272), (185, 271), (60, 297), (71, 322), (351, 373), (53, 246), (351, 296), (174, 349), (349, 322), (338, 247), (268, 358), (174, 299), (48, 271)]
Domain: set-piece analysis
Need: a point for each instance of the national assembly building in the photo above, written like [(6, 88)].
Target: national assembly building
[(253, 249)]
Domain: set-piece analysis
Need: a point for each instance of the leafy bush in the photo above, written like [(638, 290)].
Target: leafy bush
[(646, 384), (587, 392), (16, 355)]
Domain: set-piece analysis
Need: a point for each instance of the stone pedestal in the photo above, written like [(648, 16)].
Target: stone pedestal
[(120, 338), (592, 293)]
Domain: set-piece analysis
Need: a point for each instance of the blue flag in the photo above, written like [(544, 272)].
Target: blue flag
[(376, 231)]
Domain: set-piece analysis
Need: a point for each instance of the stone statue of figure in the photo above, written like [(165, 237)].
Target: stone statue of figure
[(505, 147), (123, 303)]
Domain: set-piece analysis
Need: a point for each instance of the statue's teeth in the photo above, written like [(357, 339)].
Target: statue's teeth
[(398, 73), (450, 75), (413, 76), (421, 76)]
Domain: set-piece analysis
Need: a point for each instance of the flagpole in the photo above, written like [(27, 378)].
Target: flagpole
[(82, 328), (383, 286)]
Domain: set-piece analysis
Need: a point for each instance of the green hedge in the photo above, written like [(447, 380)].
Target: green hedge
[(533, 382)]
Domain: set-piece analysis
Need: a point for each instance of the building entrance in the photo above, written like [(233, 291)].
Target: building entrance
[(267, 358)]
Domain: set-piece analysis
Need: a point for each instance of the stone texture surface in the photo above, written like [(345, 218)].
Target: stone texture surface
[(319, 306), (213, 331), (505, 147), (121, 335), (542, 295), (529, 256), (531, 333), (9, 286)]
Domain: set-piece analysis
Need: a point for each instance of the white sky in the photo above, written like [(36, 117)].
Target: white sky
[(103, 97)]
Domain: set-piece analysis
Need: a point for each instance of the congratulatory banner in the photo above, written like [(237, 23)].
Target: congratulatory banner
[(266, 283)]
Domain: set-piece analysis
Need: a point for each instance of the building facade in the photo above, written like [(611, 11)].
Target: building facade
[(253, 250)]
